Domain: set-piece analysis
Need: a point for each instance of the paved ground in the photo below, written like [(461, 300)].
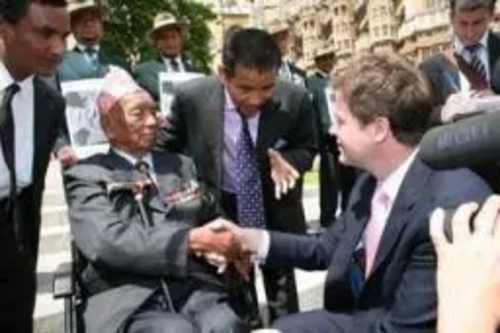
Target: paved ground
[(54, 249)]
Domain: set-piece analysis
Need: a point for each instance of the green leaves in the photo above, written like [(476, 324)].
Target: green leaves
[(130, 20)]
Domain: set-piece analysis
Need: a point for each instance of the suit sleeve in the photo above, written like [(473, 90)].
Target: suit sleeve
[(105, 237), (431, 73), (302, 146), (308, 252), (173, 136)]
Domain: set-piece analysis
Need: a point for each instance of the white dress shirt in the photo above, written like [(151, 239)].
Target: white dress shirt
[(168, 65), (23, 111), (390, 186), (483, 55)]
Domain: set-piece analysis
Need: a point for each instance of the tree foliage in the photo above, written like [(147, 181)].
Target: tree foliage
[(130, 20)]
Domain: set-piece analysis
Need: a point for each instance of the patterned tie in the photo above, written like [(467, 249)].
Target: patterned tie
[(475, 61), (250, 203), (375, 228), (92, 57), (7, 136), (174, 64)]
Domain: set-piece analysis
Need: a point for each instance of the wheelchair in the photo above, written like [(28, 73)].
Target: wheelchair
[(66, 286)]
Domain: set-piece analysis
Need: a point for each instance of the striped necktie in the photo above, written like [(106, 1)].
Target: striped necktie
[(475, 61)]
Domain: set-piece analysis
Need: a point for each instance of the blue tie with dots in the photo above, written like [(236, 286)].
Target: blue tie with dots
[(250, 204)]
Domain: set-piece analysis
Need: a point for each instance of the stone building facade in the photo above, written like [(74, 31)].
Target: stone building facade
[(415, 28)]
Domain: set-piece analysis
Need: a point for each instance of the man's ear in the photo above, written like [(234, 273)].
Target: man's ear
[(222, 74), (382, 129)]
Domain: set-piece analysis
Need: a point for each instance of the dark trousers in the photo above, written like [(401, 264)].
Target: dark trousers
[(279, 284), (318, 321), (205, 311), (335, 181), (17, 280), (328, 180)]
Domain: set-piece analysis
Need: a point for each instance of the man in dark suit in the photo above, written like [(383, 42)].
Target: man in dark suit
[(288, 70), (334, 177), (168, 37), (469, 64), (138, 219), (380, 259), (251, 137), (30, 114)]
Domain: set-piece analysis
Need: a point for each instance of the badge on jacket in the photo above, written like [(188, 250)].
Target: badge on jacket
[(187, 191)]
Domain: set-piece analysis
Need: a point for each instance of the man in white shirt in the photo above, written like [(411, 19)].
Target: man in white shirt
[(379, 257), (33, 34)]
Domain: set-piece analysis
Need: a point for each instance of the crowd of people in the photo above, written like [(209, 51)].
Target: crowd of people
[(174, 220)]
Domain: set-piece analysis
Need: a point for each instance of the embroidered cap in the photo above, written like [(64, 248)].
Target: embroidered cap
[(118, 84)]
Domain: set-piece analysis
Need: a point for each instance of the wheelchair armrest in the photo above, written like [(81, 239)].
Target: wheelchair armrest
[(63, 283)]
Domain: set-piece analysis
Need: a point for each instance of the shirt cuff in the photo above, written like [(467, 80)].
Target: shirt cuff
[(264, 245)]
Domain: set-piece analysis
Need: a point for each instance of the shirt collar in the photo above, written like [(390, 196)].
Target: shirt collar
[(82, 47), (6, 79), (178, 58), (148, 158), (459, 46), (322, 74), (390, 186), (229, 103)]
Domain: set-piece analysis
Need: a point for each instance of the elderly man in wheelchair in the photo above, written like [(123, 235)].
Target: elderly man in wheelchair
[(143, 228)]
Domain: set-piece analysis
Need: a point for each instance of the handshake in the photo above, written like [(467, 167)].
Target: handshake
[(226, 245)]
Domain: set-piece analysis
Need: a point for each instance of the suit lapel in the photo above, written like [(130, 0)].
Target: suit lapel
[(493, 52), (42, 117), (355, 220), (272, 119), (213, 119), (450, 72), (409, 193), (122, 171), (166, 180)]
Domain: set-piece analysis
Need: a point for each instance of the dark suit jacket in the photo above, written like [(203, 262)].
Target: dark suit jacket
[(76, 67), (196, 127), (126, 257), (444, 77), (18, 270), (147, 75), (400, 293), (317, 83), (299, 76)]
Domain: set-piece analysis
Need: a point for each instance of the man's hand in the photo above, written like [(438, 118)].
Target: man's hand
[(67, 156), (283, 174), (211, 238), (249, 242), (468, 276)]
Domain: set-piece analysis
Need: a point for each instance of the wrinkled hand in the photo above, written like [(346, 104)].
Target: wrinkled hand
[(212, 238), (67, 156), (468, 276), (283, 174), (249, 242)]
